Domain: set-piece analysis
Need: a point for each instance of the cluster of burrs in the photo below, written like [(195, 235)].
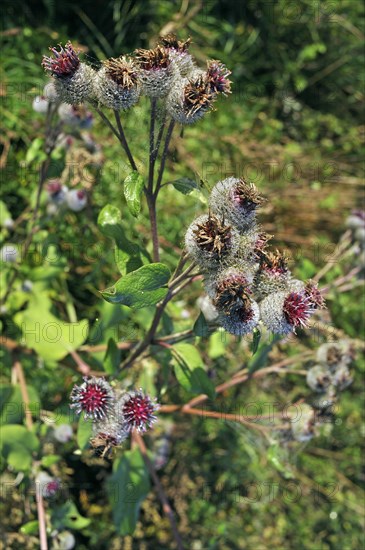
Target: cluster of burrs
[(246, 283), (167, 72), (114, 413)]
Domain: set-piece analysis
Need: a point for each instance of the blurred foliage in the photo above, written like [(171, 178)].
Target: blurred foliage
[(292, 125)]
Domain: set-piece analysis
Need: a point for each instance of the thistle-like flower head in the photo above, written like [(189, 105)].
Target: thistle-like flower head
[(137, 410), (64, 62), (314, 295), (94, 397), (213, 236), (197, 97), (154, 59), (170, 41), (122, 71), (246, 196), (274, 263), (260, 244), (297, 309), (233, 291), (217, 76)]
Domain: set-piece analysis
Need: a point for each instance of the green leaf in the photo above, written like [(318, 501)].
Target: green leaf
[(12, 404), (201, 327), (17, 446), (68, 516), (141, 288), (30, 528), (19, 458), (35, 151), (49, 460), (127, 254), (256, 340), (49, 336), (185, 185), (4, 213), (133, 187), (189, 371), (128, 487), (217, 344), (84, 433), (112, 357)]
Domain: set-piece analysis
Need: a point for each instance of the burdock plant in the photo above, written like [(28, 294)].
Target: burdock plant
[(250, 290)]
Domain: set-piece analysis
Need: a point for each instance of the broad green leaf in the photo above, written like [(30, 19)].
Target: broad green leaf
[(185, 185), (140, 288), (17, 446), (189, 370), (68, 516), (127, 254), (128, 487), (19, 458), (133, 187), (84, 432), (12, 404), (49, 336), (112, 357), (110, 223)]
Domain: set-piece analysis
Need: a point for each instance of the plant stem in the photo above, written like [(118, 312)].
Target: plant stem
[(41, 520), (151, 202), (124, 142), (159, 136), (161, 493), (164, 156)]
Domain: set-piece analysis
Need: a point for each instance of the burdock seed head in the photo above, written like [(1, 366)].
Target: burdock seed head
[(178, 53), (236, 200), (189, 99), (116, 84), (210, 241), (73, 79), (156, 73)]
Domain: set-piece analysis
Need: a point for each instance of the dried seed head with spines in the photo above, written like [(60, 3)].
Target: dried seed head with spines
[(236, 200), (210, 241), (335, 354), (179, 53), (156, 73), (73, 79), (242, 319), (319, 378), (156, 58), (170, 41), (110, 429), (232, 290), (189, 99), (273, 274), (116, 84)]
